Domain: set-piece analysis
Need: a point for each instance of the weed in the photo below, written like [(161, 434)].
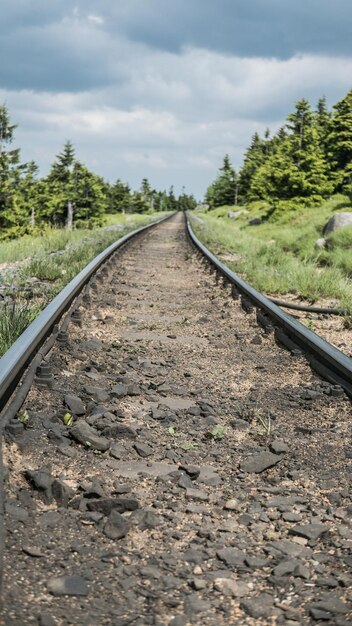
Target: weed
[(217, 432), (266, 424), (14, 319)]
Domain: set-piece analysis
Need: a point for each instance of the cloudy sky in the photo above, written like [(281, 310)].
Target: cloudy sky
[(163, 89)]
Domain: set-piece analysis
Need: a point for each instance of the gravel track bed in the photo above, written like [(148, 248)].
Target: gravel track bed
[(205, 478)]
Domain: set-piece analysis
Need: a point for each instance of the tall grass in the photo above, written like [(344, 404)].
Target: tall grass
[(280, 256), (14, 319), (52, 239)]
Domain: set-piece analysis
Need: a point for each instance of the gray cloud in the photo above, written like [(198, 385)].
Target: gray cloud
[(163, 89), (60, 46)]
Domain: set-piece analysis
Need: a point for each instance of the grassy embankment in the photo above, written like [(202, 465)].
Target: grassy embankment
[(53, 257), (279, 256)]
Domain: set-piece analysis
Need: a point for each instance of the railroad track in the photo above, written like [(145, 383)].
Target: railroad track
[(172, 464)]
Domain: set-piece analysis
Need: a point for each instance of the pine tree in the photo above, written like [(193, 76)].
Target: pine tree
[(147, 192), (323, 121), (254, 158), (28, 192), (340, 142), (119, 198), (13, 219), (296, 167), (171, 200), (138, 203), (224, 189), (62, 187)]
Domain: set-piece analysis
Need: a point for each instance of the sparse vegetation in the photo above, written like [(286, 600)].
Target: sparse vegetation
[(76, 248), (279, 255), (14, 319)]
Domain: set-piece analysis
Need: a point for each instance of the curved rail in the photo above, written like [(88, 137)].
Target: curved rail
[(18, 356), (324, 358)]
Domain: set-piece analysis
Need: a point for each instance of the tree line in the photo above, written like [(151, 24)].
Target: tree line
[(307, 160), (70, 195)]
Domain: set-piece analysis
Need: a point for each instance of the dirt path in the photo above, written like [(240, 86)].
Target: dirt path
[(211, 486)]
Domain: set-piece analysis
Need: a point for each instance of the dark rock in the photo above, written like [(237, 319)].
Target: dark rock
[(97, 393), (255, 562), (88, 436), (117, 451), (192, 470), (133, 390), (260, 462), (118, 488), (14, 429), (309, 531), (146, 520), (116, 526), (208, 476), (239, 424), (16, 512), (195, 604), (288, 548), (61, 492), (75, 404), (94, 490), (106, 505), (278, 447), (232, 557), (261, 606), (185, 482), (119, 390), (195, 556), (328, 581), (257, 340), (198, 584), (331, 604), (292, 517), (123, 431), (67, 586), (143, 449), (285, 567), (197, 494), (42, 481), (46, 620), (318, 614)]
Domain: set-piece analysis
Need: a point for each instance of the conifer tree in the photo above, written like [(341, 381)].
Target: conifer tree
[(224, 189), (254, 158), (12, 218), (340, 142), (119, 198)]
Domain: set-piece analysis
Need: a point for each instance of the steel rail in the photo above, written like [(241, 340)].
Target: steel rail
[(15, 360), (324, 358)]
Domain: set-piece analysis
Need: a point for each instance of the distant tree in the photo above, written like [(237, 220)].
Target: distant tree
[(224, 189), (296, 166), (171, 200), (138, 203), (119, 198), (253, 159), (76, 196), (13, 218), (186, 202), (28, 191), (340, 142)]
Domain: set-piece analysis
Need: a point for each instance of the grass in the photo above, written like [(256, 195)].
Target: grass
[(14, 319), (279, 256), (55, 257), (53, 239)]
